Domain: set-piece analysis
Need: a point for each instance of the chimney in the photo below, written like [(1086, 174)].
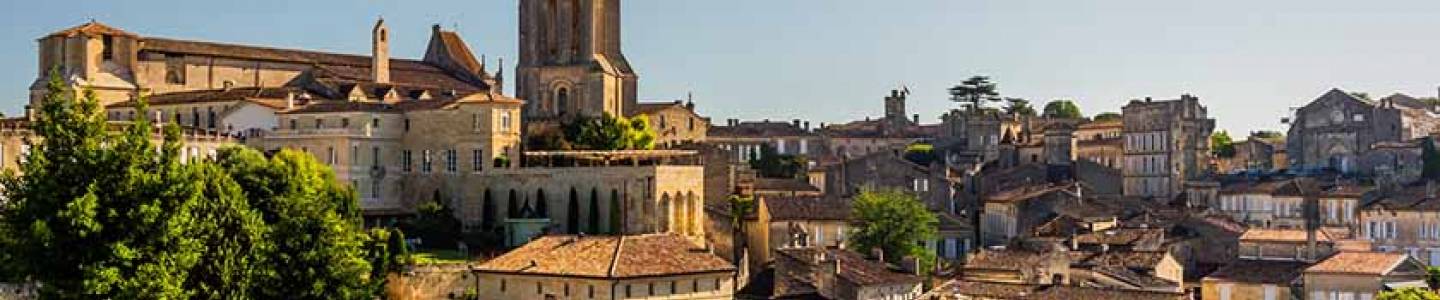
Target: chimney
[(795, 122), (290, 100), (380, 53), (30, 113), (807, 125), (916, 117)]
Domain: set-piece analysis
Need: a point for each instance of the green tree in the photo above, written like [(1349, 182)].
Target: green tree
[(319, 245), (1430, 159), (920, 153), (234, 238), (1408, 294), (1019, 106), (435, 224), (1107, 116), (772, 164), (609, 133), (974, 92), (1221, 145), (895, 222), (1063, 109), (99, 215)]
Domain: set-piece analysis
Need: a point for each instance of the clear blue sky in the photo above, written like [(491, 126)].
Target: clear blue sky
[(833, 60)]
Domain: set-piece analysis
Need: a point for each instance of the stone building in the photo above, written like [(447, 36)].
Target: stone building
[(1255, 280), (839, 274), (675, 123), (1337, 129), (1362, 275), (745, 140), (795, 222), (1254, 154), (1407, 221), (1166, 144), (400, 131), (571, 62), (653, 266)]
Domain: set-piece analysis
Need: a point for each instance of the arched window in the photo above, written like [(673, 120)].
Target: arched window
[(594, 212), (562, 101), (572, 214), (513, 206), (487, 211), (542, 209), (615, 211), (211, 111)]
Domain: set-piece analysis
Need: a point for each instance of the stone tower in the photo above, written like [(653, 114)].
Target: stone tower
[(570, 60), (380, 52), (895, 108)]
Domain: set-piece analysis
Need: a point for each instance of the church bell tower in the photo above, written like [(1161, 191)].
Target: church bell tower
[(570, 60)]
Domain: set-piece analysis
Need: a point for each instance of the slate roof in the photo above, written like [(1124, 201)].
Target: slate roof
[(271, 97), (607, 257), (807, 208), (1363, 263), (1124, 237)]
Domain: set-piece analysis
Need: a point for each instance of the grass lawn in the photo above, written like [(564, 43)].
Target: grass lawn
[(439, 256)]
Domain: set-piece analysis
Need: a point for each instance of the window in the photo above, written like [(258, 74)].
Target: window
[(374, 188), (475, 121), (344, 122), (375, 123), (330, 155), (375, 156), (407, 125), (539, 288), (319, 123), (210, 111), (354, 155), (425, 161), (502, 285), (405, 159), (292, 124), (450, 161), (505, 121), (592, 291), (477, 160), (174, 69), (922, 185), (1225, 290)]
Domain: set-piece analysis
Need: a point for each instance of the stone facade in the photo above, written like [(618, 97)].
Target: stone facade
[(571, 61), (654, 266), (1336, 130), (675, 123), (1166, 143), (1406, 222)]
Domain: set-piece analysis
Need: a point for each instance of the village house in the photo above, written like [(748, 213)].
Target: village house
[(832, 273), (795, 222), (1407, 221), (1362, 275), (653, 266)]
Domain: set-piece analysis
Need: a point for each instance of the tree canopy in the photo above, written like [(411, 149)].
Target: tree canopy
[(610, 133), (1408, 294), (1019, 106), (974, 92), (1063, 109), (893, 221), (772, 164), (104, 215), (1430, 159), (1221, 145), (1107, 116)]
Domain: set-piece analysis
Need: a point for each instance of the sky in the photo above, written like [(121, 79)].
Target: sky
[(832, 61)]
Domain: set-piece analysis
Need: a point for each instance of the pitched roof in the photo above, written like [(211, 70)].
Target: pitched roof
[(807, 208), (1364, 263), (1410, 198), (989, 290), (1011, 259), (608, 257), (91, 28), (782, 184), (652, 107), (1283, 235), (1259, 271), (1123, 236), (758, 130), (270, 97), (853, 267), (1024, 192)]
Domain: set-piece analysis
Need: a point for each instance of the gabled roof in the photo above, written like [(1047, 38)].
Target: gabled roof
[(1259, 271), (1283, 236), (762, 129), (91, 29), (852, 266), (807, 209), (1362, 263), (607, 257)]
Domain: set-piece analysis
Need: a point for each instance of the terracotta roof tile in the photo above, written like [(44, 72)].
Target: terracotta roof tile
[(807, 208), (1282, 235), (1367, 263), (785, 185), (853, 267), (91, 28), (608, 257), (759, 129)]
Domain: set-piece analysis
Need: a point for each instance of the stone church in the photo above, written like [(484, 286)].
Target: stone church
[(570, 60), (401, 131)]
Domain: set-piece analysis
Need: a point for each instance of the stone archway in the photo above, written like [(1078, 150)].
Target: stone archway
[(592, 212), (666, 214), (572, 213)]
